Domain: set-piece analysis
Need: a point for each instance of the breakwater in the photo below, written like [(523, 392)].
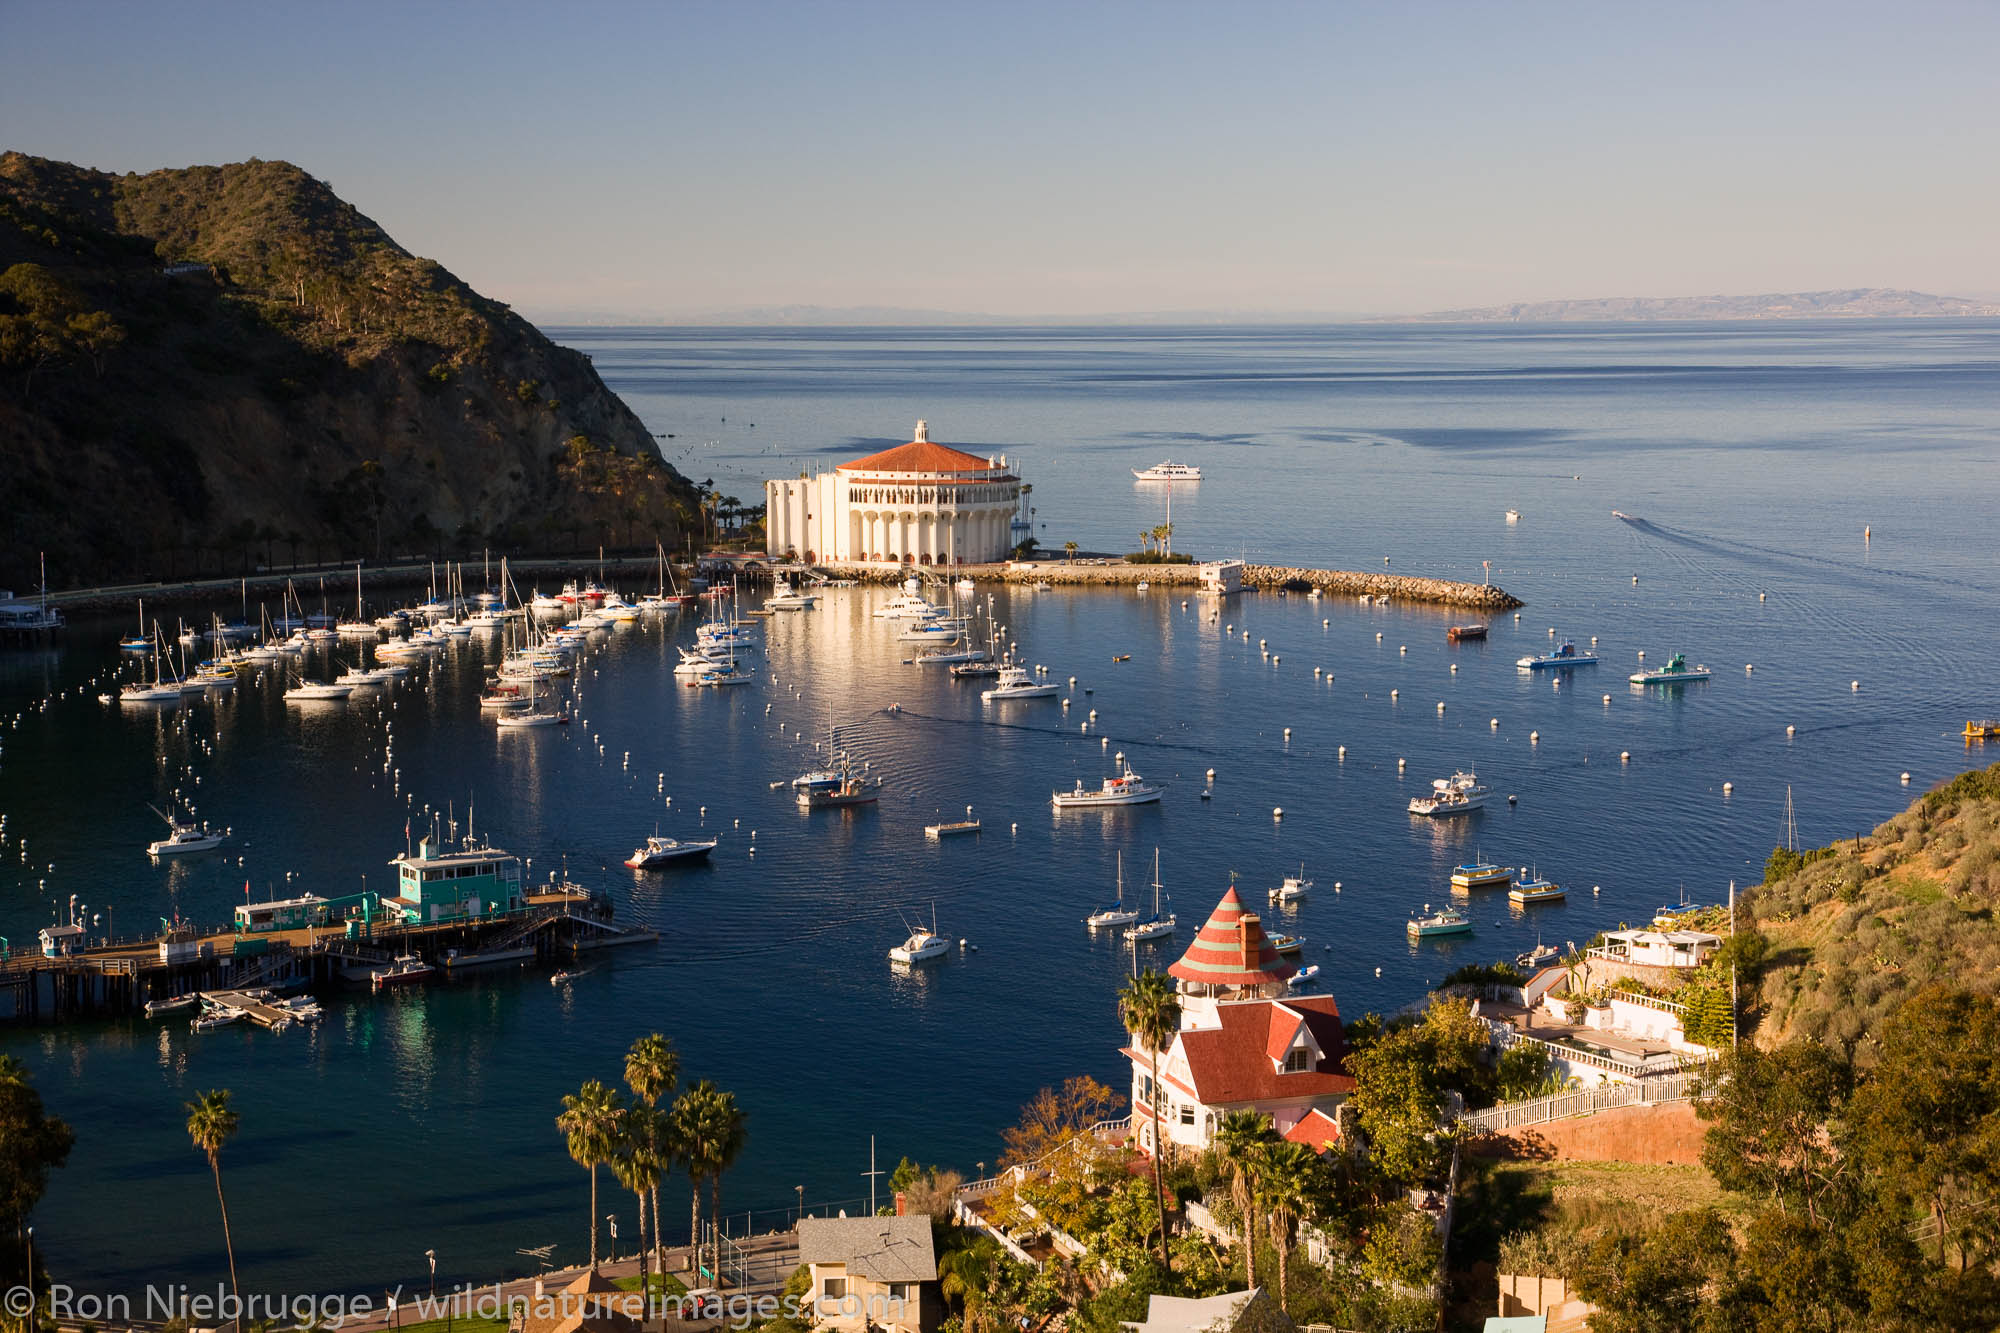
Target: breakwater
[(1347, 582)]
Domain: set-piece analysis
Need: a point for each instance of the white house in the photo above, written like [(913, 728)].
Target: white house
[(920, 503), (1659, 948), (1244, 1043)]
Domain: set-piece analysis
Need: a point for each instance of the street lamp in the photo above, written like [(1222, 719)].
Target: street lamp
[(32, 1302), (802, 1203), (612, 1218), (432, 1255)]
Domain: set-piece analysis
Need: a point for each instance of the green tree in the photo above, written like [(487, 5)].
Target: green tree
[(711, 1131), (590, 1125), (1927, 1121), (652, 1068), (1151, 1011), (1069, 550), (211, 1124), (1289, 1179), (1659, 1282), (36, 1144), (1768, 1114), (1240, 1143), (636, 1163)]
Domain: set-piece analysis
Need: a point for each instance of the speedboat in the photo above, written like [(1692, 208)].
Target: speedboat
[(1448, 921), (1481, 875), (1532, 888), (407, 970), (1128, 788), (1168, 471), (1538, 957), (215, 1018), (660, 851), (1016, 683), (1455, 795), (1565, 655), (313, 689), (1675, 672)]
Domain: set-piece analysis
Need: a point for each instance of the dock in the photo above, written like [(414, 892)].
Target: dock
[(259, 1011)]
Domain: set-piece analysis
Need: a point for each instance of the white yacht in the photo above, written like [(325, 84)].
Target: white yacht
[(787, 597), (1128, 788), (1458, 794), (660, 851), (922, 945), (937, 631), (184, 835), (312, 689), (1169, 471), (909, 606), (1016, 683)]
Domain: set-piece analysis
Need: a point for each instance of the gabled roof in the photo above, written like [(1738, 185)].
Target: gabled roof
[(1227, 1313), (1316, 1129), (881, 1249), (1231, 949), (921, 456), (1230, 1063)]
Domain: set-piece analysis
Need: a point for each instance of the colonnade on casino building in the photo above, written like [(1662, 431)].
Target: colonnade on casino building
[(920, 503)]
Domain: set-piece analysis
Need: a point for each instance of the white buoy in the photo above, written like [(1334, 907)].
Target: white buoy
[(1103, 742), (1093, 715), (1607, 698), (1552, 631), (1341, 753), (1440, 706), (1791, 731), (1378, 971), (1325, 623), (1402, 764), (1853, 684), (1275, 659), (1288, 733), (1760, 596), (1595, 890), (1211, 775), (1517, 617), (1534, 738), (1013, 828), (1315, 673), (1494, 723), (1277, 812), (1642, 654), (1906, 779), (1748, 667), (1378, 636), (1403, 650), (1635, 580), (1393, 693), (1624, 756), (1728, 787), (1072, 682)]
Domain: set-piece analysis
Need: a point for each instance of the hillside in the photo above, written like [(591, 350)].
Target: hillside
[(209, 367), (1853, 303), (1854, 930)]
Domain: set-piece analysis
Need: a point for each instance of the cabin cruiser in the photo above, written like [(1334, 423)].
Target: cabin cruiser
[(1016, 683), (1294, 888), (660, 851), (1456, 795), (786, 597), (187, 836), (1168, 471), (909, 606), (407, 970), (922, 945)]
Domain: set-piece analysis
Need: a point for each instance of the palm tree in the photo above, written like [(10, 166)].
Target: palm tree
[(1069, 550), (970, 1275), (1241, 1138), (210, 1125), (590, 1121), (1151, 1012), (636, 1164), (652, 1067), (710, 1128), (1286, 1171)]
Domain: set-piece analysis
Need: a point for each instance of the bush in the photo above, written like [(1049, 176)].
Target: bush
[(1485, 974), (1155, 558)]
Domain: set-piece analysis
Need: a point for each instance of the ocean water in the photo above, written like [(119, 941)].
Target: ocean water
[(1751, 457)]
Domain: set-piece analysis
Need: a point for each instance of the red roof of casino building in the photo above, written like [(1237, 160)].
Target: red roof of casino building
[(922, 454), (1231, 949)]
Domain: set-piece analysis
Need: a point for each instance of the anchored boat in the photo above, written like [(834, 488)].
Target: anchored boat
[(1458, 794), (1128, 788), (1675, 672), (1447, 921), (660, 851), (1481, 875), (1563, 657)]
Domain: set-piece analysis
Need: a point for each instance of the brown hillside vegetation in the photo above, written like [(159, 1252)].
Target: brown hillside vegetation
[(236, 366), (1854, 930)]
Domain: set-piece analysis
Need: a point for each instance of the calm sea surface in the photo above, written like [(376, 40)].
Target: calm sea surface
[(1754, 457)]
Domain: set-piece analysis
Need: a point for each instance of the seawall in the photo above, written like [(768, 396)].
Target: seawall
[(1340, 582)]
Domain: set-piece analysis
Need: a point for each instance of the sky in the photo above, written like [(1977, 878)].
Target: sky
[(1019, 158)]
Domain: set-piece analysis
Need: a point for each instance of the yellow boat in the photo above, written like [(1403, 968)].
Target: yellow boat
[(1987, 730)]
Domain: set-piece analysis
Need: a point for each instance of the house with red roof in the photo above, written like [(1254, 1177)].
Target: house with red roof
[(920, 503), (1246, 1043)]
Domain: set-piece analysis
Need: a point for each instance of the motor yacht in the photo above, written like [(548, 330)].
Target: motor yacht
[(660, 851), (1016, 683), (1127, 788)]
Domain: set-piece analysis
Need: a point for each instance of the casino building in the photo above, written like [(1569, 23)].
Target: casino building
[(921, 503)]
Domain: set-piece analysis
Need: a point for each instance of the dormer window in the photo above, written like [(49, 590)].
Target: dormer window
[(1297, 1060)]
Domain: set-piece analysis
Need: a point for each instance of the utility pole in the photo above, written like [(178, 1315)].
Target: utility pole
[(871, 1173)]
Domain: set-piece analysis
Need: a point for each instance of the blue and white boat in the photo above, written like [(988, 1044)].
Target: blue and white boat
[(1565, 655)]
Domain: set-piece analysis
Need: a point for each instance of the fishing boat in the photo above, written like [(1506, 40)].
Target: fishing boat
[(1294, 887), (1128, 788), (1675, 672), (1016, 683), (1532, 888), (1563, 657), (184, 835), (1117, 914), (936, 832), (1481, 875), (850, 790), (1288, 946), (1458, 794), (1160, 924), (1459, 632), (407, 970), (173, 1004), (1168, 471), (1446, 921), (660, 851), (922, 945)]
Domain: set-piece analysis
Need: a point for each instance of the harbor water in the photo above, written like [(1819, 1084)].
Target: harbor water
[(1748, 458)]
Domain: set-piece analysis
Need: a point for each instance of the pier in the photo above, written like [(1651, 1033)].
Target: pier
[(115, 979)]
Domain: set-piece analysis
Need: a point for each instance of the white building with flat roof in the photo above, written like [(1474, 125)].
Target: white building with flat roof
[(921, 503)]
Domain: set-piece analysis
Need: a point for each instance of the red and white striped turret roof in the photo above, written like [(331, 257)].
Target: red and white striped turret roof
[(1232, 950)]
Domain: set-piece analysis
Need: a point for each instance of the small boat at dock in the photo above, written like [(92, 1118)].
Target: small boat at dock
[(407, 970), (173, 1004)]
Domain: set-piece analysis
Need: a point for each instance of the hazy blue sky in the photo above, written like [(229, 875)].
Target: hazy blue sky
[(1073, 157)]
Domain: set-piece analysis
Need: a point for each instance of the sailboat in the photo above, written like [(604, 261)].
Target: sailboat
[(1155, 926), (139, 642), (1117, 914), (159, 690), (531, 716), (360, 627)]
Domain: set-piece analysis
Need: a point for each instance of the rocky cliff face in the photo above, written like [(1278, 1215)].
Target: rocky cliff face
[(216, 366)]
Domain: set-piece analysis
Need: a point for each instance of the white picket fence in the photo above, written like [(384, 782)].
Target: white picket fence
[(1588, 1101)]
